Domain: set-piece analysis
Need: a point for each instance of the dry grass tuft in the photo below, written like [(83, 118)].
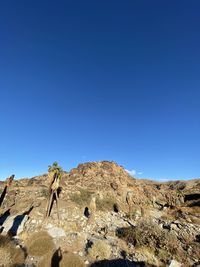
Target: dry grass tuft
[(10, 255), (72, 260), (66, 259), (146, 233), (82, 199), (45, 261), (150, 256), (165, 245), (105, 204), (100, 250), (40, 244)]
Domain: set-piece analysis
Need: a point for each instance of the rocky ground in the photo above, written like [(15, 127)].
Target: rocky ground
[(106, 218)]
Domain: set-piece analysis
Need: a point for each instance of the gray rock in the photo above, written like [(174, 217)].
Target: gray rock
[(15, 224), (54, 231), (175, 264)]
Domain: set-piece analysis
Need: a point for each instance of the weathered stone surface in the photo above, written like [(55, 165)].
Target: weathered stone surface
[(14, 224), (175, 264), (101, 187), (54, 231)]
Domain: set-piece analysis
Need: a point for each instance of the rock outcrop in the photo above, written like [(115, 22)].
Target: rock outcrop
[(100, 201)]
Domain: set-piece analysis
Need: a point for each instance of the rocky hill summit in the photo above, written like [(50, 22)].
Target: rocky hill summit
[(104, 217)]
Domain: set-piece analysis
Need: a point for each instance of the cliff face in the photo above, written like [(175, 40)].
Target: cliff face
[(99, 201)]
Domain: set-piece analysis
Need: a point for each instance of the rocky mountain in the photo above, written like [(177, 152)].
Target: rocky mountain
[(105, 217)]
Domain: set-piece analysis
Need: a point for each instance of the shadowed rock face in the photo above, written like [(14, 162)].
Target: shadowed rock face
[(189, 197), (118, 263), (121, 203)]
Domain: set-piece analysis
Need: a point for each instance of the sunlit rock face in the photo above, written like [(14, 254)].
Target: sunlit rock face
[(101, 207)]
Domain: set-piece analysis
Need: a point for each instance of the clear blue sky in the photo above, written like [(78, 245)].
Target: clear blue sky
[(92, 80)]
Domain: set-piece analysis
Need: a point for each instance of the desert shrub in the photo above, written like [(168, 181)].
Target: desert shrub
[(162, 254), (128, 234), (181, 186), (151, 258), (144, 234), (100, 249), (148, 234), (83, 198), (173, 214), (72, 260), (45, 261), (44, 192), (195, 210), (105, 204), (4, 240), (40, 244), (177, 185), (10, 255), (66, 259)]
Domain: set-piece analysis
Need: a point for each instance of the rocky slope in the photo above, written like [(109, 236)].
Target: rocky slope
[(107, 218)]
